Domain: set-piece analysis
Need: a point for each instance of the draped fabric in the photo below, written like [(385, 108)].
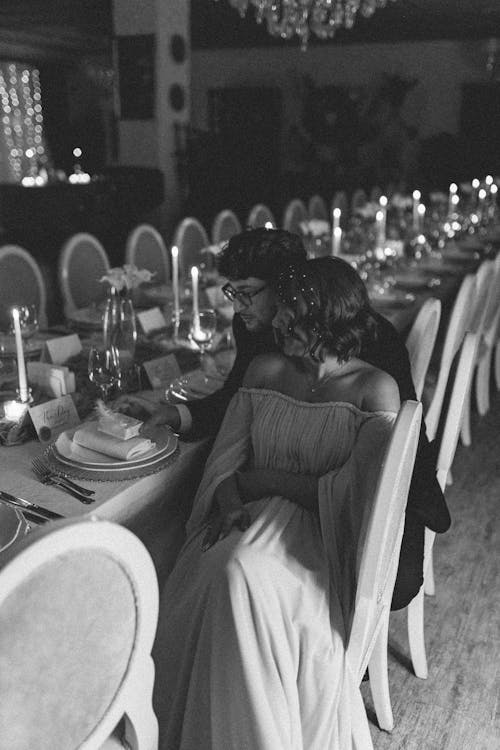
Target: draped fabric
[(250, 651)]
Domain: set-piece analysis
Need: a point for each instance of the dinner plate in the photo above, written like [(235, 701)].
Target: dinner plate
[(66, 452), (193, 385)]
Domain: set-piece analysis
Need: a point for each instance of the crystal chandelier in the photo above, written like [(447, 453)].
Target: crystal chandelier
[(284, 18)]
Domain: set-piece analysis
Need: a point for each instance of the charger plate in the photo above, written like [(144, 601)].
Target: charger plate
[(75, 461)]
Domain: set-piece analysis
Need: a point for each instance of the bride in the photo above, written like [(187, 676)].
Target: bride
[(250, 651)]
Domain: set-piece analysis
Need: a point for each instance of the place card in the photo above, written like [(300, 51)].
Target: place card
[(151, 320), (56, 380), (54, 417), (162, 370), (60, 349)]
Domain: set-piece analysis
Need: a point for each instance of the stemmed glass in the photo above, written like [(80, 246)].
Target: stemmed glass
[(103, 369), (202, 330)]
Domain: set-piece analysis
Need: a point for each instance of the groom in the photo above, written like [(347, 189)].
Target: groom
[(251, 261)]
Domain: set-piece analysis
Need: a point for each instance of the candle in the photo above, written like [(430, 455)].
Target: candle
[(489, 180), (21, 367), (451, 202), (380, 225), (194, 279), (335, 227), (14, 410), (337, 213), (416, 203), (175, 280), (421, 217), (337, 240), (481, 198)]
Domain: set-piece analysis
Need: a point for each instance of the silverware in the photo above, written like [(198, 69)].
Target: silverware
[(40, 468), (57, 481), (26, 507)]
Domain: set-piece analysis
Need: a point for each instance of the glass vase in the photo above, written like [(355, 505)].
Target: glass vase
[(120, 333)]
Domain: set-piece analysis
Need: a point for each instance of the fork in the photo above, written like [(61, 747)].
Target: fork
[(46, 476), (43, 468)]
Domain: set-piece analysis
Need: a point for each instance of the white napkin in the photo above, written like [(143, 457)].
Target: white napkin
[(88, 436)]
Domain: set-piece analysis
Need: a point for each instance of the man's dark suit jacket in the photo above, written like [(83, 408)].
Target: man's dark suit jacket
[(426, 505)]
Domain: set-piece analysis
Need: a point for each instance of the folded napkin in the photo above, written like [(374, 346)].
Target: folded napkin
[(89, 436)]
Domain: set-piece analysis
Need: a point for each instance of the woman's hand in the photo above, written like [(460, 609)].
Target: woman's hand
[(152, 414), (228, 512)]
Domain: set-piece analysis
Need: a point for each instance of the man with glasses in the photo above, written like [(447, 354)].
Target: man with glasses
[(252, 261)]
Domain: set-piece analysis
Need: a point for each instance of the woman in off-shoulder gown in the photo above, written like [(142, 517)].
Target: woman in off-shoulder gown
[(250, 651)]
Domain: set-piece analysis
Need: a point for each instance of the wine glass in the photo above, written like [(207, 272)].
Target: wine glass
[(202, 330), (103, 369)]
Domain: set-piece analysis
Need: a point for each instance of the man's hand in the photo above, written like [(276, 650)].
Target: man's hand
[(152, 414), (229, 512)]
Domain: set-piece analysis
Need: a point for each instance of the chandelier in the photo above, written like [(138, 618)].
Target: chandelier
[(286, 18)]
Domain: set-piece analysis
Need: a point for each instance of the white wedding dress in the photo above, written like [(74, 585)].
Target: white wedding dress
[(250, 650)]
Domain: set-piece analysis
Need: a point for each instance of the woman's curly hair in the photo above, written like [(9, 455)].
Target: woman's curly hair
[(329, 300)]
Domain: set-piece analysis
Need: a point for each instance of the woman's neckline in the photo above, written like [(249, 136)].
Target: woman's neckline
[(287, 397)]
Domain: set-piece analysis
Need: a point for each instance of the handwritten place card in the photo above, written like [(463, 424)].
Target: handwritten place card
[(55, 380), (60, 349), (54, 417), (162, 371), (151, 320)]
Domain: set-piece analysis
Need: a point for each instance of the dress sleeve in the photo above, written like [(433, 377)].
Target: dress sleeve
[(231, 451), (345, 499)]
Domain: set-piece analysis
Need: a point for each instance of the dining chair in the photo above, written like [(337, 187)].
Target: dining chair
[(295, 212), (13, 527), (78, 614), (358, 200), (489, 333), (145, 248), (225, 225), (191, 238), (259, 216), (483, 280), (316, 208), (82, 262), (420, 341), (447, 448), (21, 281), (377, 569)]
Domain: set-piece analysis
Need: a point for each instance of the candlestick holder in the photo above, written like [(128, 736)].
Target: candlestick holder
[(15, 410)]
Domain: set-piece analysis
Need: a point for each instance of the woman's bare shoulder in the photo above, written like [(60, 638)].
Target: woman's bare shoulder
[(264, 370), (379, 390)]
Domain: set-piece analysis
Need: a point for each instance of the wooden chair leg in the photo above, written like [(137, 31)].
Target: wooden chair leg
[(379, 678), (483, 384), (416, 638)]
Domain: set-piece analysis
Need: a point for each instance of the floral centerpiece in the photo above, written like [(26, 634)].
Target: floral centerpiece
[(315, 228), (127, 277)]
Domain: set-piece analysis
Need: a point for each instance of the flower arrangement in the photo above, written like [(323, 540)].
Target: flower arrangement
[(127, 277), (314, 228)]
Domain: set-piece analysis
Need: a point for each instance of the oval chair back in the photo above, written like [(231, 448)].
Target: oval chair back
[(295, 213), (317, 209), (358, 200), (21, 283), (78, 614), (420, 341), (455, 332), (379, 552), (191, 239), (82, 262), (489, 332), (145, 248), (259, 216), (226, 224)]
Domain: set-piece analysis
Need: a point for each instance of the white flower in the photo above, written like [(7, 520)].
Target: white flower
[(315, 228), (127, 277), (438, 197), (401, 201), (368, 211)]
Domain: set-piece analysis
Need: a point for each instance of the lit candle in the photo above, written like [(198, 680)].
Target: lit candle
[(175, 280), (21, 367), (335, 226), (475, 188), (337, 240), (337, 213), (451, 202), (488, 180), (194, 279), (416, 203), (481, 198), (421, 217), (14, 410), (380, 225)]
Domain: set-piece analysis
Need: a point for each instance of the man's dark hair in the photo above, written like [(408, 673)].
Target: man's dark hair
[(329, 299), (262, 253)]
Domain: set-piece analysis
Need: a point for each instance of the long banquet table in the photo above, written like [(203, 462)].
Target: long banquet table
[(155, 507)]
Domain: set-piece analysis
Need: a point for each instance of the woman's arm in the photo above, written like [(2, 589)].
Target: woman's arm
[(301, 489)]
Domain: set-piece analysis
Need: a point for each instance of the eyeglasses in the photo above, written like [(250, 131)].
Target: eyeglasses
[(244, 298)]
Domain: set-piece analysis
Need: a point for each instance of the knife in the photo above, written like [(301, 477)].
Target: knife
[(19, 502)]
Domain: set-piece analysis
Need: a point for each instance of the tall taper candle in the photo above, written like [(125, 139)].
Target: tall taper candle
[(421, 218), (416, 195), (380, 228), (194, 279), (335, 227), (451, 201), (21, 367), (337, 241), (175, 280)]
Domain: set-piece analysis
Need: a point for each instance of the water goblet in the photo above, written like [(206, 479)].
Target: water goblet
[(103, 369), (202, 330)]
